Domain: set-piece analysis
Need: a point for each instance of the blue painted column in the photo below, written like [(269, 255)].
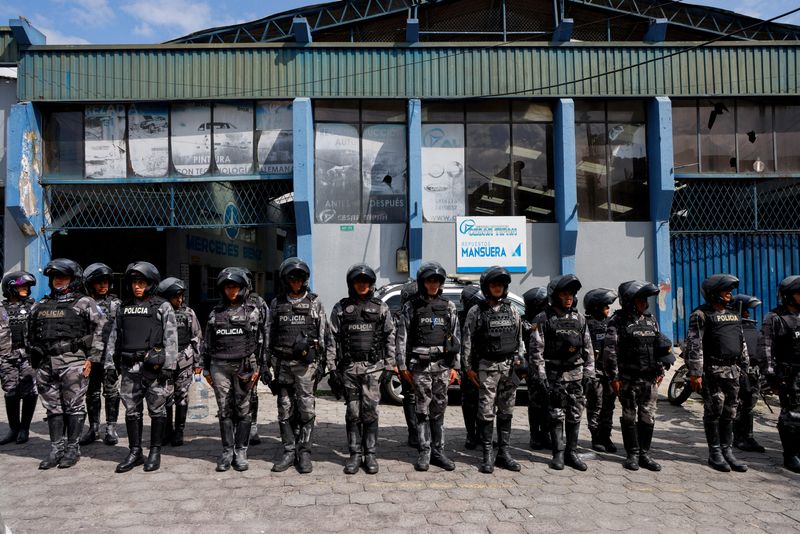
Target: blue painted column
[(662, 187), (566, 183), (414, 185), (303, 146), (24, 194)]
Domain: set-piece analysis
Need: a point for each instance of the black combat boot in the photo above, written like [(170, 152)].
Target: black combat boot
[(112, 413), (726, 442), (55, 424), (12, 411), (180, 424), (571, 457), (715, 458), (605, 439), (631, 440), (134, 458), (370, 445), (243, 427), (534, 427), (409, 410), (470, 424), (226, 433), (559, 443), (354, 446), (543, 418), (424, 439), (304, 465), (645, 439), (93, 414), (287, 438), (486, 433), (597, 442), (255, 439), (503, 459), (438, 457), (157, 428), (169, 427), (72, 451), (28, 407), (789, 442), (743, 434)]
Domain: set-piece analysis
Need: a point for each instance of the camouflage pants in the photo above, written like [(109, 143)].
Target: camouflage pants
[(600, 400), (63, 389), (18, 377), (638, 396), (789, 394), (749, 389), (232, 390), (181, 381), (430, 392), (566, 401), (135, 389), (362, 392), (498, 392), (296, 395), (105, 379), (720, 393)]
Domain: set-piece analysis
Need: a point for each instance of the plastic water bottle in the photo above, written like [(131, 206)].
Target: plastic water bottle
[(198, 399)]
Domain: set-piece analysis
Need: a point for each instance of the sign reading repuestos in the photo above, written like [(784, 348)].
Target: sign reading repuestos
[(482, 242)]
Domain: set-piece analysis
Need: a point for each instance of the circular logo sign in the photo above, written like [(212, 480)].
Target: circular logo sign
[(231, 221)]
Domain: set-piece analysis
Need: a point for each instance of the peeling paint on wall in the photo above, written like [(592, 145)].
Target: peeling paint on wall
[(29, 171)]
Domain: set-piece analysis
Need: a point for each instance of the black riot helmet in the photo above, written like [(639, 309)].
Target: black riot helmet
[(294, 267), (430, 269), (633, 289), (233, 276), (360, 270), (243, 271), (495, 274), (171, 287), (595, 300), (716, 284), (64, 267), (145, 270), (16, 279), (567, 282), (535, 300), (408, 291), (470, 296), (787, 287), (96, 272)]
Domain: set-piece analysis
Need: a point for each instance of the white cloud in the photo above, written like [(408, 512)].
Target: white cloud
[(184, 15), (88, 12), (56, 37), (143, 29)]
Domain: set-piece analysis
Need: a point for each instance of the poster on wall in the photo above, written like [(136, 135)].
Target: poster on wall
[(191, 139), (233, 138), (384, 172), (336, 173), (104, 138), (274, 135), (483, 242), (443, 178), (148, 139)]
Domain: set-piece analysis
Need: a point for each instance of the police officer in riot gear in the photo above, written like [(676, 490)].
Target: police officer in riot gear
[(600, 398), (470, 296), (538, 419), (66, 341), (364, 334), (562, 357), (427, 357), (749, 382), (633, 353), (779, 345), (98, 279), (16, 373), (147, 354), (298, 351), (408, 291), (230, 351), (715, 356), (190, 336), (493, 348)]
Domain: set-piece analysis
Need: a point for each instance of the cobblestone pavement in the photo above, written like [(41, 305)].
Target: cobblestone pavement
[(187, 495)]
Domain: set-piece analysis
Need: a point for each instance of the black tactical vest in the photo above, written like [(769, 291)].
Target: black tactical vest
[(750, 330), (636, 349), (361, 330), (105, 306), (184, 320), (786, 347), (233, 337), (722, 340), (140, 328), (563, 339), (430, 326), (597, 331), (497, 337), (55, 320), (18, 315), (292, 322)]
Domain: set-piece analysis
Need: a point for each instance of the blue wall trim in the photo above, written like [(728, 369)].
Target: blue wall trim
[(414, 185), (662, 187), (303, 131), (566, 183)]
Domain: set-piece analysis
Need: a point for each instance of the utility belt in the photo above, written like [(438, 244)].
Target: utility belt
[(62, 347), (428, 355), (358, 357), (498, 358), (720, 361), (284, 354), (633, 374), (154, 358)]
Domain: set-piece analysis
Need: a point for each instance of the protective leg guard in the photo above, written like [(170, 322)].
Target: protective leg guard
[(72, 452), (424, 438), (486, 432), (409, 411), (789, 442), (180, 425), (157, 429), (645, 439), (243, 427), (370, 444), (438, 457), (571, 456), (503, 459), (28, 407), (559, 444), (304, 464), (112, 413), (354, 445), (726, 441), (12, 411), (715, 458), (255, 439), (134, 458), (288, 439), (226, 433), (630, 439), (55, 424)]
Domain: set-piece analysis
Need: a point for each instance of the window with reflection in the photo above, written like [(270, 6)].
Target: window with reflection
[(754, 137), (63, 143), (717, 136), (684, 136), (787, 137)]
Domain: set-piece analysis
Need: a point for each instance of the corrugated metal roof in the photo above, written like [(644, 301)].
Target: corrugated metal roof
[(188, 72), (8, 47)]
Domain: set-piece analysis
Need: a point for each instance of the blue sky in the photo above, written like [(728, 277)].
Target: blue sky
[(155, 21)]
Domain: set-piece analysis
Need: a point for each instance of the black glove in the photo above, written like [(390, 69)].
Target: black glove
[(274, 386), (36, 356), (336, 384), (111, 376), (265, 375), (166, 375), (319, 374), (587, 382)]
